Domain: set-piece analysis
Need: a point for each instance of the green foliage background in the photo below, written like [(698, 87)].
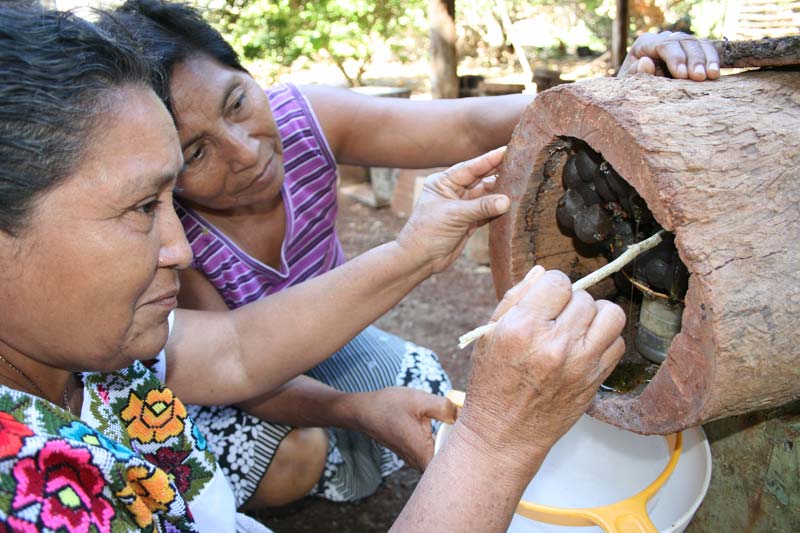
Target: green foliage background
[(349, 33), (346, 32)]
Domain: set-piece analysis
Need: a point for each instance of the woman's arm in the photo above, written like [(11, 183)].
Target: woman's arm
[(468, 488), (402, 133), (234, 356), (396, 132), (397, 417)]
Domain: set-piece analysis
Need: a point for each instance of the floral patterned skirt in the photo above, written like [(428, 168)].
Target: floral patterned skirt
[(245, 445)]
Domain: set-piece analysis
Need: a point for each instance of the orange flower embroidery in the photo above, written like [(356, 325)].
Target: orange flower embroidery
[(145, 493), (159, 417)]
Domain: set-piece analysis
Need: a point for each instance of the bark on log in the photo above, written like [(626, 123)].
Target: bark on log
[(777, 52), (718, 164)]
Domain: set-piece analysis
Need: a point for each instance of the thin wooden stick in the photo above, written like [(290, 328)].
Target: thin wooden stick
[(584, 283)]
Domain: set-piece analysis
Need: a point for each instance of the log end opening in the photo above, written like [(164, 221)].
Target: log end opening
[(577, 214)]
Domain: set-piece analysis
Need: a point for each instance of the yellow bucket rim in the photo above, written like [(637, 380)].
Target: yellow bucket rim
[(625, 516)]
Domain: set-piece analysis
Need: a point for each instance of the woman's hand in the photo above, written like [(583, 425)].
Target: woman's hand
[(685, 57), (532, 377), (540, 367), (397, 417), (452, 205), (400, 419)]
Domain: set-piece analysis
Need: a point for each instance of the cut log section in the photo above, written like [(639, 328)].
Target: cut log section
[(718, 165)]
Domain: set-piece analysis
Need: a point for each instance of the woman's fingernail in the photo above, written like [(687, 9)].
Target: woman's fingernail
[(490, 179), (532, 272), (502, 203), (713, 66), (682, 70), (700, 70)]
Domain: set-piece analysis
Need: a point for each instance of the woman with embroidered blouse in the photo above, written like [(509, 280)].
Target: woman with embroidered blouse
[(91, 437)]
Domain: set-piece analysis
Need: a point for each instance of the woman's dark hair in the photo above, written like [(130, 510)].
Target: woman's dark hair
[(169, 33), (58, 74)]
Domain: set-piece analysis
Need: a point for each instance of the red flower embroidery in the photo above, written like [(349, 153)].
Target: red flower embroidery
[(18, 525), (172, 463), (11, 435), (68, 487), (103, 393)]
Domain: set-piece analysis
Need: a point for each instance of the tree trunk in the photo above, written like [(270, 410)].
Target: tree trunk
[(619, 34), (442, 21), (717, 165)]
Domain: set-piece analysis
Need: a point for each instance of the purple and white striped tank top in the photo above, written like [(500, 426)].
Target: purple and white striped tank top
[(310, 246)]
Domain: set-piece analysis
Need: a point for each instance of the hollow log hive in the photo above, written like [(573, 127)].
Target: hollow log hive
[(718, 165)]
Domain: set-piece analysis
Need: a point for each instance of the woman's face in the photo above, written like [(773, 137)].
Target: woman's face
[(89, 283), (230, 142)]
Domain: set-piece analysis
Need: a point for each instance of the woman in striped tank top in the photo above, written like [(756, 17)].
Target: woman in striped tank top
[(259, 209), (257, 199)]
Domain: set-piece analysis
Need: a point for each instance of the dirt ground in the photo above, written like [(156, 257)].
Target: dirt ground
[(433, 315)]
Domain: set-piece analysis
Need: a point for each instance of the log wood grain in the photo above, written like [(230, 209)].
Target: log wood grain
[(718, 163)]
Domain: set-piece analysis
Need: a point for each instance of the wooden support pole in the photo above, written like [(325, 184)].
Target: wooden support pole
[(442, 22)]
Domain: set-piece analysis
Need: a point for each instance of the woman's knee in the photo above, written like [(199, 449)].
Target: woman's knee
[(295, 469)]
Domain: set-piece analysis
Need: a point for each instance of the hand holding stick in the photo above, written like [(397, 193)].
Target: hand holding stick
[(584, 283)]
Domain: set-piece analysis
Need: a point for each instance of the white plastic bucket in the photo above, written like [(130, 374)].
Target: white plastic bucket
[(597, 464)]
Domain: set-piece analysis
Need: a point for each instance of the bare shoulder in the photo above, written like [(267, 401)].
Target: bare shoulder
[(338, 111), (362, 129)]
